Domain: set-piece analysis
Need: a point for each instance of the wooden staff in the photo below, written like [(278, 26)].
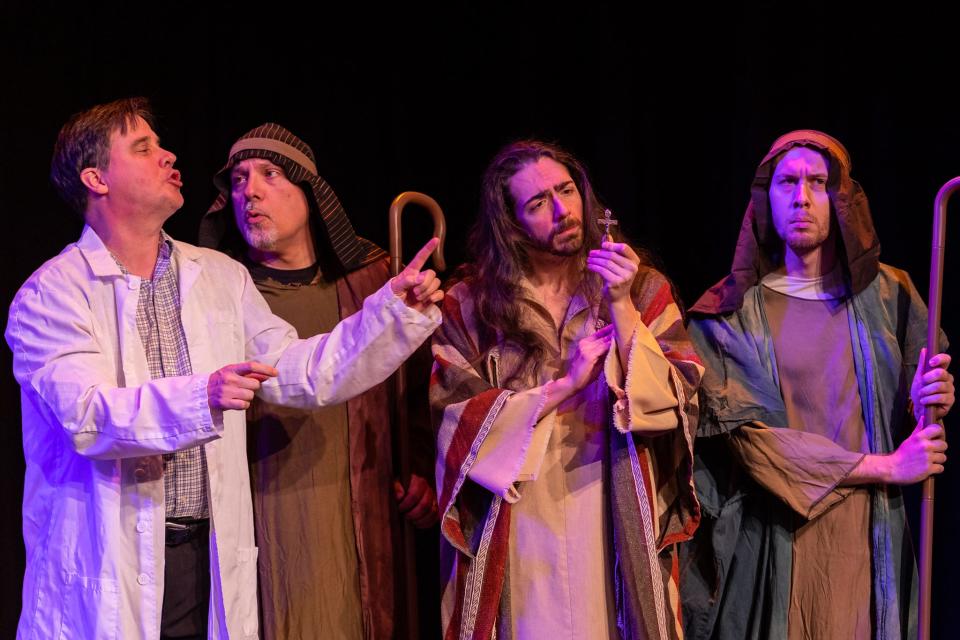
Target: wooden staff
[(933, 348), (402, 428)]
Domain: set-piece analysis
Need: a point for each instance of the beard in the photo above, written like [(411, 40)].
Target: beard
[(801, 243), (260, 237), (566, 248)]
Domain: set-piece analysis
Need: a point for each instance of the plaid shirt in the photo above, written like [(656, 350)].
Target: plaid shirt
[(161, 331)]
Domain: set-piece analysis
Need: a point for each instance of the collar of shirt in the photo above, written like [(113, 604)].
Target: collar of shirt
[(578, 301), (829, 286), (163, 256)]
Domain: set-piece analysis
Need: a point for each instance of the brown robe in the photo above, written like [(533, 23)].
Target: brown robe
[(830, 579), (293, 494)]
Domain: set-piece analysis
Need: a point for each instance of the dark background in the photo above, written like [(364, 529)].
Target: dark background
[(671, 110)]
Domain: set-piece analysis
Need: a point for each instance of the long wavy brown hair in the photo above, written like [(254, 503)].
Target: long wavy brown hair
[(499, 247)]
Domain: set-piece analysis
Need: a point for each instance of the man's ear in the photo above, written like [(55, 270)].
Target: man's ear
[(92, 179)]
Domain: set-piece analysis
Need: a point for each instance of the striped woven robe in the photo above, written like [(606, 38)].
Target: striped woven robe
[(491, 447)]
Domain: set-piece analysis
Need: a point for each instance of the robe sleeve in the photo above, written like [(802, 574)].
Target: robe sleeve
[(646, 398), (515, 445), (802, 469), (658, 392), (488, 434), (657, 407)]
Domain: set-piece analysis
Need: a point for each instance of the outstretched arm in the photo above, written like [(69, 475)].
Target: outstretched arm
[(360, 352)]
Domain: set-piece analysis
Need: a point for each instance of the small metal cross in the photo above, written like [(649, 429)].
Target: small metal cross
[(607, 221)]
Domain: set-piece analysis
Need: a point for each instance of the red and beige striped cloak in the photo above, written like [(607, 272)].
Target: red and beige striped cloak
[(652, 498)]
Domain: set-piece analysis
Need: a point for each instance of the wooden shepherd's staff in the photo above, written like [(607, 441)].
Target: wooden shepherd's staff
[(933, 348), (402, 429)]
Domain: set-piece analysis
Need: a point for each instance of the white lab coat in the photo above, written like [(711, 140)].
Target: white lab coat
[(95, 424)]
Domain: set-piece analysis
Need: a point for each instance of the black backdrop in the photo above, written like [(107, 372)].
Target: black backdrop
[(671, 110)]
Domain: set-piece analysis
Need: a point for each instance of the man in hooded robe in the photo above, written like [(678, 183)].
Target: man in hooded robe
[(811, 420)]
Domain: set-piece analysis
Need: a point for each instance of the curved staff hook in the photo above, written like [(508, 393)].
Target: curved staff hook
[(933, 348), (439, 228), (402, 431)]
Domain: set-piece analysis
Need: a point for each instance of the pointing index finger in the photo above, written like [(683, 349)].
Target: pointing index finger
[(253, 367), (421, 258)]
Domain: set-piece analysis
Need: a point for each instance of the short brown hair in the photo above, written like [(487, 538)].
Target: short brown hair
[(84, 141)]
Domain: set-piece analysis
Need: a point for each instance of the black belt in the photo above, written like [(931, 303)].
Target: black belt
[(181, 530)]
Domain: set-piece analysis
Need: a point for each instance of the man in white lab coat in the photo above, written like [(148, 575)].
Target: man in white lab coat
[(137, 512)]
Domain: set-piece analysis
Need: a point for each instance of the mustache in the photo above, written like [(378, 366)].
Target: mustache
[(251, 209), (566, 225)]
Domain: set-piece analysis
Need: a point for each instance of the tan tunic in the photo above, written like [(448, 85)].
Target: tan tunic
[(830, 594), (300, 468), (560, 567)]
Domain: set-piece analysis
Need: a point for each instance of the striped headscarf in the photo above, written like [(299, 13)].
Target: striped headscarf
[(276, 144)]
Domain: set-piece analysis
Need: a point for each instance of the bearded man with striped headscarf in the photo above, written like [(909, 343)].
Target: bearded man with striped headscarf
[(327, 504)]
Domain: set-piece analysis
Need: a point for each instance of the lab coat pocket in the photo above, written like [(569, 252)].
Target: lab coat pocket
[(91, 608), (247, 576)]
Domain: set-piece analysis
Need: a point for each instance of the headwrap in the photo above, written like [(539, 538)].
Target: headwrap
[(274, 143), (760, 250)]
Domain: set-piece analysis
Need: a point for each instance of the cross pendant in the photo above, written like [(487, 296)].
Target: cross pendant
[(607, 221)]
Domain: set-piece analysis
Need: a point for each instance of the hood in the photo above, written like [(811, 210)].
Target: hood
[(760, 250)]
